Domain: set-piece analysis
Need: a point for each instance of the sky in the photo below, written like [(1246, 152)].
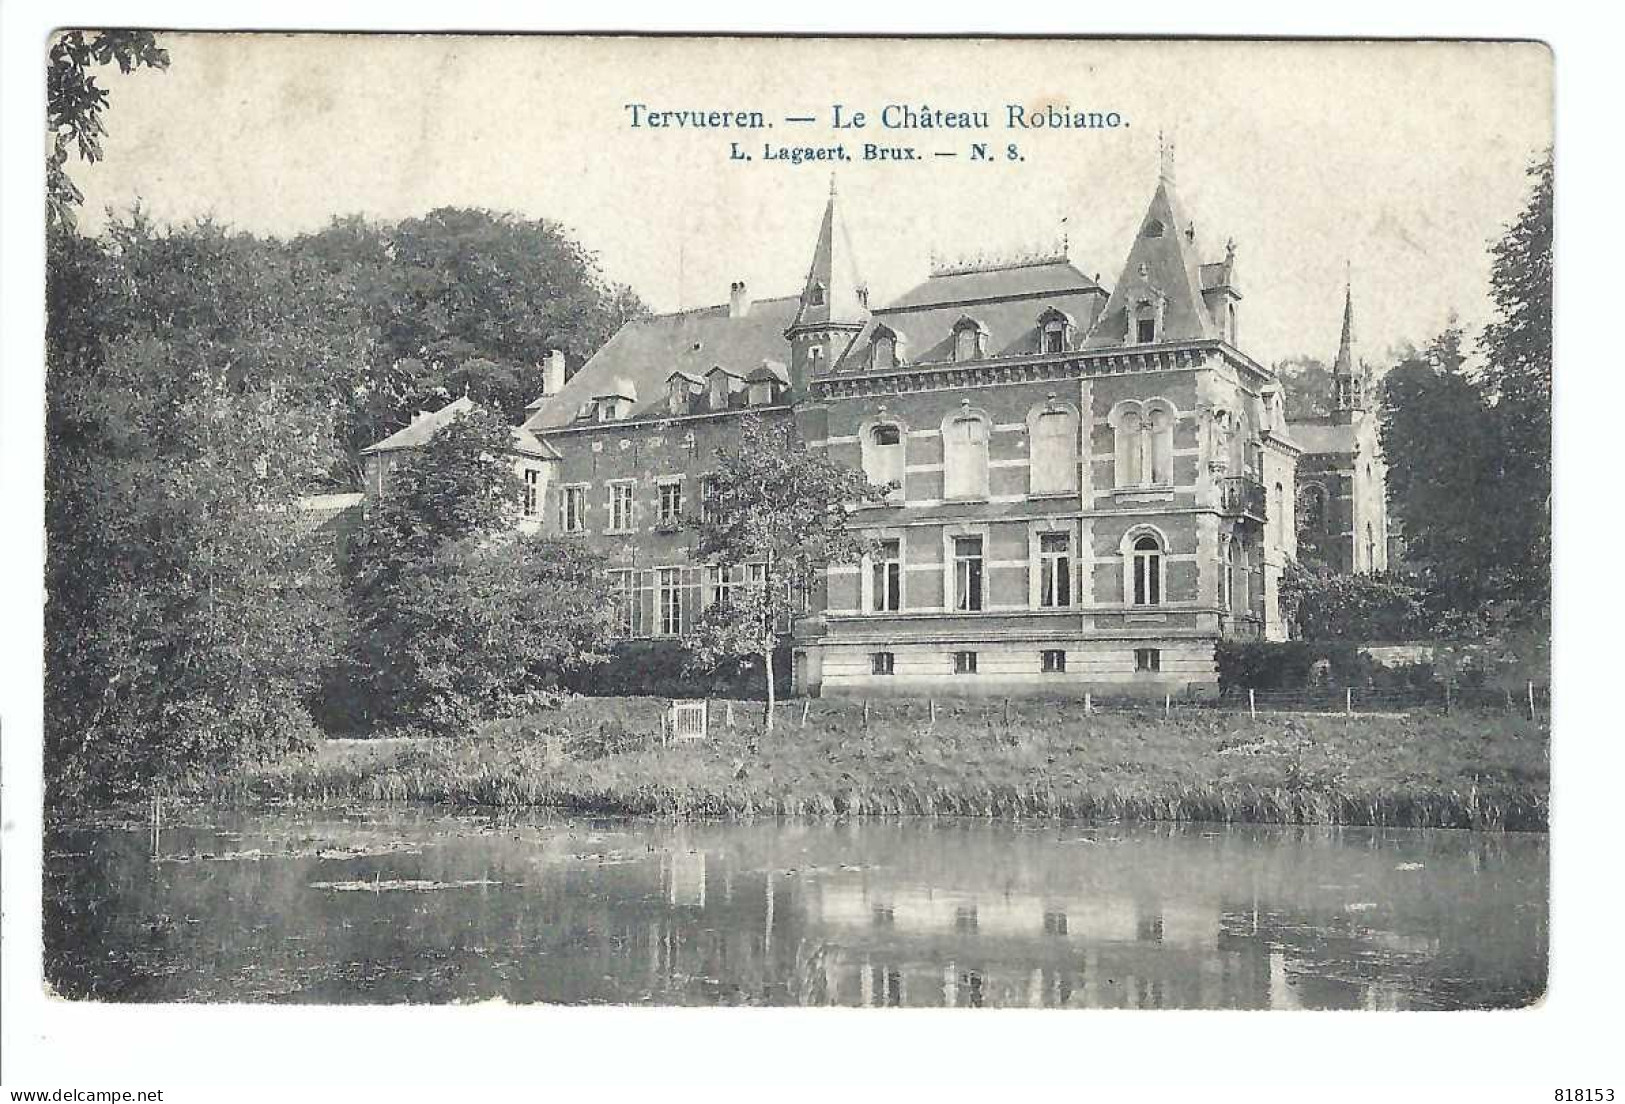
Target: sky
[(1396, 164)]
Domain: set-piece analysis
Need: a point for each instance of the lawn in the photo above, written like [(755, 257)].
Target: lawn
[(607, 755)]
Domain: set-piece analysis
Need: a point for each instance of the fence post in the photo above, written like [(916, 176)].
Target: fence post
[(728, 708), (1088, 703), (865, 712), (805, 703), (1007, 711), (1447, 697), (1348, 702), (933, 710), (1167, 706), (662, 728), (1252, 702), (1532, 699)]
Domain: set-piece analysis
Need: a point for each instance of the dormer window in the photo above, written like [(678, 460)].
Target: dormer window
[(815, 298), (970, 340), (1145, 323), (760, 393), (885, 352), (1054, 340), (677, 395), (717, 392), (1153, 229)]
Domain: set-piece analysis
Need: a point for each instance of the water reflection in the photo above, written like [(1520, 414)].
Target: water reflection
[(382, 905)]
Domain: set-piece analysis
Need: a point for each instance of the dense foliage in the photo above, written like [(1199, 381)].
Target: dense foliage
[(1325, 605), (458, 615)]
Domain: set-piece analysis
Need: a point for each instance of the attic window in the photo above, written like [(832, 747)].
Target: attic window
[(1154, 228), (816, 296), (970, 340), (885, 351), (1054, 339)]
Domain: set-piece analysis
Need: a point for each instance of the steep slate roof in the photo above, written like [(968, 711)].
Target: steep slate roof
[(1007, 302), (1344, 364), (1055, 276), (646, 351), (424, 426), (1170, 268)]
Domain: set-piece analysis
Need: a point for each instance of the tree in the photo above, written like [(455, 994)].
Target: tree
[(1439, 439), (769, 500), (74, 104), (1308, 385), (458, 615), (1517, 348), (1326, 605), (186, 622)]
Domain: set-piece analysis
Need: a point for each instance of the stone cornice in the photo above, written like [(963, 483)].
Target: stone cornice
[(1076, 364)]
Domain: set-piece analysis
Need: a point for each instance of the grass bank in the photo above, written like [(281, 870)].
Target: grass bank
[(1485, 771)]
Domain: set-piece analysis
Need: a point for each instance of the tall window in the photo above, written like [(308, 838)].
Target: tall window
[(883, 455), (1128, 449), (964, 457), (1244, 572), (623, 596), (886, 578), (1227, 573), (1162, 446), (669, 593), (533, 486), (1054, 339), (968, 573), (572, 509), (1053, 463), (1278, 515), (620, 506), (1145, 324), (1054, 570), (671, 502), (1146, 562)]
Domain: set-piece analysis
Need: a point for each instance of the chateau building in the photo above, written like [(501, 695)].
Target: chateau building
[(1342, 480), (1094, 484)]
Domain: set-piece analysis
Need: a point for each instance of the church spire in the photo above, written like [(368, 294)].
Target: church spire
[(1345, 382)]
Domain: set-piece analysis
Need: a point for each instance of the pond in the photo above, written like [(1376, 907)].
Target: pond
[(389, 904)]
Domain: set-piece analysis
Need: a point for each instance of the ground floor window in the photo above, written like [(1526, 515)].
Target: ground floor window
[(881, 663), (670, 592), (623, 589), (1054, 661), (1147, 659), (964, 663)]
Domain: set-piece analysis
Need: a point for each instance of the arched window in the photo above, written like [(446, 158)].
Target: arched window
[(1127, 432), (970, 340), (1278, 509), (1145, 444), (885, 351), (1231, 313), (964, 457), (1370, 549), (1054, 339), (1145, 571), (883, 455), (1227, 573), (1053, 462), (1161, 446), (1312, 508)]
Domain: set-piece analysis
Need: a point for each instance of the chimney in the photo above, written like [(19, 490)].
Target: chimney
[(552, 373), (738, 301)]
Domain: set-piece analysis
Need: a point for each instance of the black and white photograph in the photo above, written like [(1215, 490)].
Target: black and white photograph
[(792, 522)]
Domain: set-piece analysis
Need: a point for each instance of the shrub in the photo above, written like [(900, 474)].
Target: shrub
[(1290, 664)]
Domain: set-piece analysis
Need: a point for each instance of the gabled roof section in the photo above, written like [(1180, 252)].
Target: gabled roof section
[(1161, 264), (833, 293), (425, 425), (647, 351)]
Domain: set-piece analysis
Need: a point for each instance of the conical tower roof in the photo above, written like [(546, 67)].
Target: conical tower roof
[(834, 293), (1344, 364), (1161, 266)]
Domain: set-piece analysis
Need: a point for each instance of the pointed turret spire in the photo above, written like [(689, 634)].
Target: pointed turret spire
[(833, 292), (1158, 296)]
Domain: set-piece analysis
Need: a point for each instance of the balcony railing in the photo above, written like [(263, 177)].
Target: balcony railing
[(1242, 496)]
